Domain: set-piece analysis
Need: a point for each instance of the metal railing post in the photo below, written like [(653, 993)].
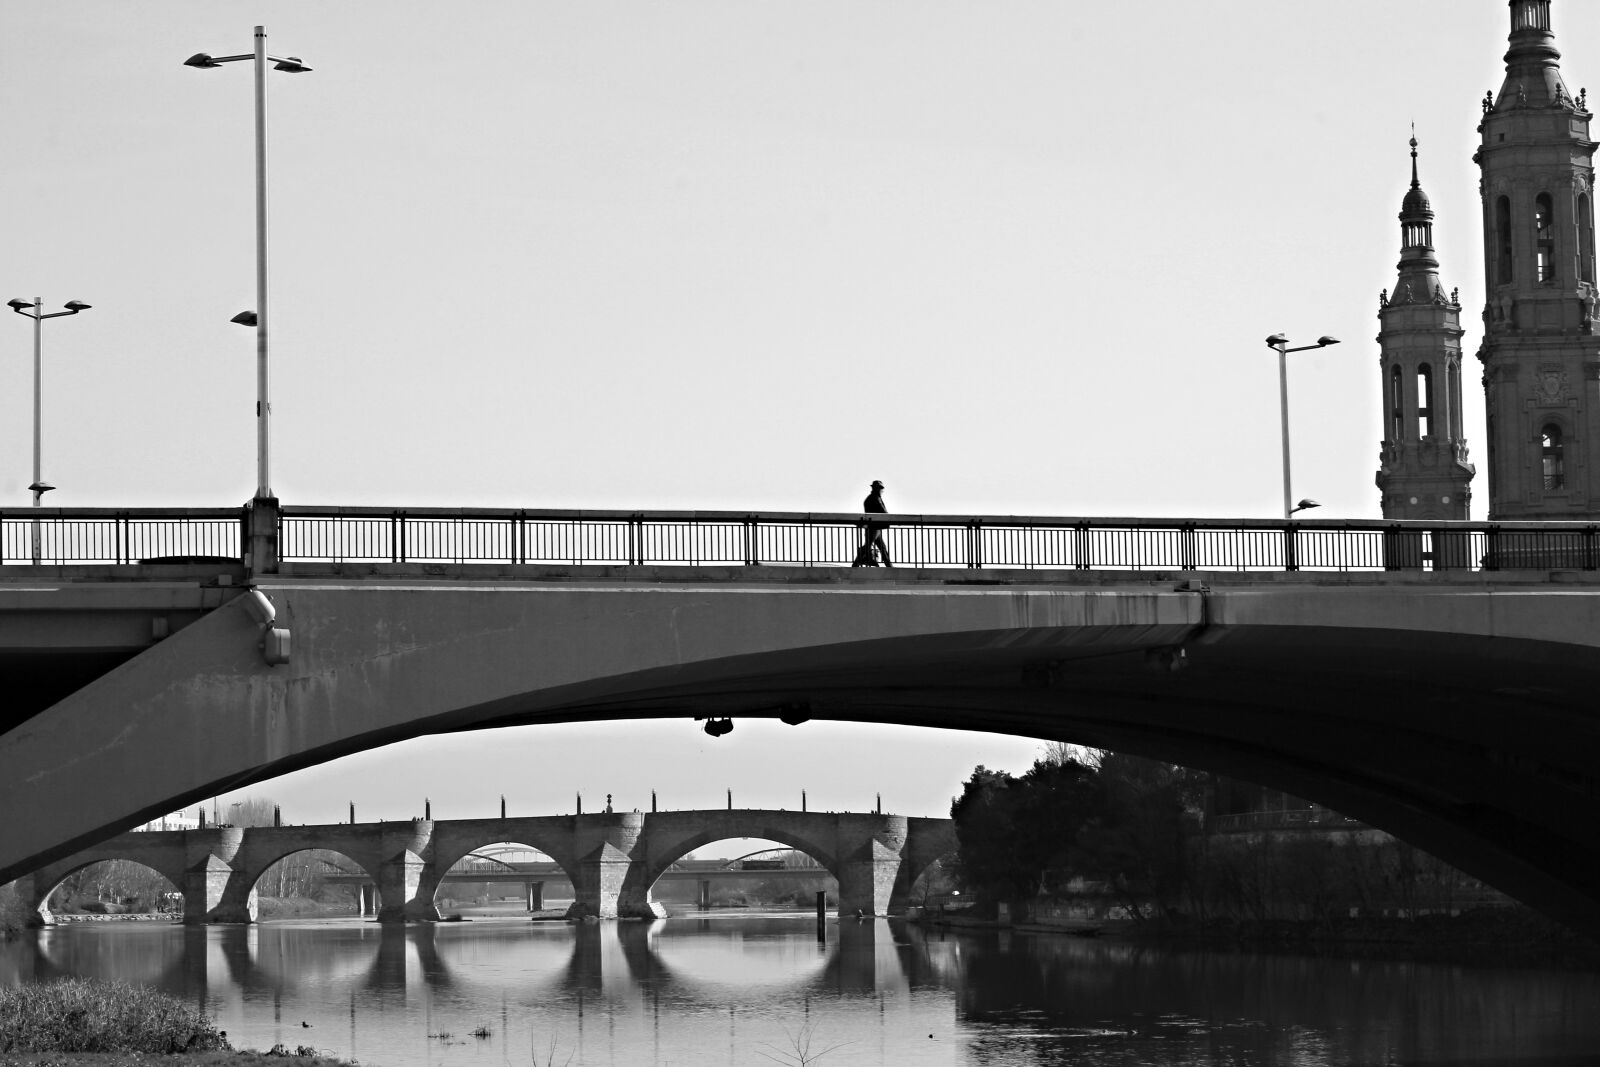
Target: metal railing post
[(1082, 547)]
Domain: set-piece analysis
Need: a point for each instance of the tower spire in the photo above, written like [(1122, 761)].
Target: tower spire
[(1424, 472)]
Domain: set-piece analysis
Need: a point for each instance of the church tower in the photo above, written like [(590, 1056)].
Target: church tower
[(1424, 473), (1540, 353)]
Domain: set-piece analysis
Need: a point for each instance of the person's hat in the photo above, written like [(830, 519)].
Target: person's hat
[(877, 485)]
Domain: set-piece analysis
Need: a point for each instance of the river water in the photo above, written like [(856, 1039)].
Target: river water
[(742, 989)]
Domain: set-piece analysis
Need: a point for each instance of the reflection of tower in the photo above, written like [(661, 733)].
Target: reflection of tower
[(1541, 356), (1424, 473)]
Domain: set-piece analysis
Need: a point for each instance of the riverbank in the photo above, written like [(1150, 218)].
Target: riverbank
[(140, 1059), (1499, 936)]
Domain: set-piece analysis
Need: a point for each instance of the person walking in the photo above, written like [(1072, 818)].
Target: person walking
[(872, 547)]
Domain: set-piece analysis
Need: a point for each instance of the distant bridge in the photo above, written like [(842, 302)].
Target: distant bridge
[(612, 859), (1435, 680)]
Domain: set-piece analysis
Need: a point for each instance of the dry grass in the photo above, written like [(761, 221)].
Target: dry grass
[(81, 1015)]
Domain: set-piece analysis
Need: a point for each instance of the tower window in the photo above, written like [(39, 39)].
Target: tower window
[(1530, 15), (1396, 407), (1425, 400), (1551, 457), (1585, 239), (1544, 234), (1504, 274)]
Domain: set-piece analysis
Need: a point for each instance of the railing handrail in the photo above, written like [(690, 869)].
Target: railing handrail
[(261, 534), (920, 519)]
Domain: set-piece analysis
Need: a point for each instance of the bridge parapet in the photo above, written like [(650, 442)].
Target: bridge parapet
[(272, 539)]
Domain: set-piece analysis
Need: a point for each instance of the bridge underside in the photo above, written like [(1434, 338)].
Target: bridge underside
[(1457, 718)]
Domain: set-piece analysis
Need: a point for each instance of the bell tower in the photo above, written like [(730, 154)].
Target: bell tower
[(1423, 471), (1540, 353)]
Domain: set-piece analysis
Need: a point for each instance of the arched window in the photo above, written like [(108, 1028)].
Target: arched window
[(1550, 455), (1585, 239), (1504, 275), (1397, 425), (1424, 400), (1544, 236)]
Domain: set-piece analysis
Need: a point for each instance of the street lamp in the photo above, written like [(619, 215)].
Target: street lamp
[(34, 309), (289, 65), (1281, 343)]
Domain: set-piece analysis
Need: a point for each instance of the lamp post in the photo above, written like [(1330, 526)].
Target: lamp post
[(1280, 344), (34, 309), (289, 65)]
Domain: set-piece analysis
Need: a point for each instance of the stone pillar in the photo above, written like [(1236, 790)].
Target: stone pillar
[(36, 899), (868, 872), (605, 846), (367, 899), (213, 891), (535, 895), (400, 878)]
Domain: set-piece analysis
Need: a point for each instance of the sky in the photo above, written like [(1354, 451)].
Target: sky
[(1012, 258)]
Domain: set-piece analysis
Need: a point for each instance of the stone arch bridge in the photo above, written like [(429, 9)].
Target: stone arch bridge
[(613, 859)]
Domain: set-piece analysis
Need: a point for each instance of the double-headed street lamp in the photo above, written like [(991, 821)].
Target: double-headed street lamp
[(1281, 343), (34, 309), (289, 65)]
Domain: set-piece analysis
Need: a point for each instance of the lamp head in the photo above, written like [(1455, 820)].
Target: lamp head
[(18, 304), (1305, 504), (76, 306), (1324, 341), (291, 65), (202, 60), (245, 318), (40, 487), (1277, 339)]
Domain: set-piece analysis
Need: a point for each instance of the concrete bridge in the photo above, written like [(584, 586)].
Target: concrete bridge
[(612, 859), (1435, 680)]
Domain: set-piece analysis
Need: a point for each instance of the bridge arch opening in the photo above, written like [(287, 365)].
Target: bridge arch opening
[(503, 878), (310, 883), (780, 872), (110, 887)]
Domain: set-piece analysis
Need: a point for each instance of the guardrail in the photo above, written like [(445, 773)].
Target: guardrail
[(691, 538), (121, 535)]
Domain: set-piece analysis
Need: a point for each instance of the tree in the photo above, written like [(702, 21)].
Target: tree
[(1139, 843), (1016, 837)]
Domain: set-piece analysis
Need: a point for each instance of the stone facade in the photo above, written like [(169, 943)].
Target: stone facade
[(1540, 352)]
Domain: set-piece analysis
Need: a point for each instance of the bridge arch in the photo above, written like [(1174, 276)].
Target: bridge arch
[(47, 885), (1451, 711), (452, 849)]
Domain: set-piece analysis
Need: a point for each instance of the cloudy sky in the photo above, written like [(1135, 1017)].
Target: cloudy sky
[(1011, 258)]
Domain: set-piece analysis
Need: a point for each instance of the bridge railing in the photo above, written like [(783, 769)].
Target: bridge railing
[(632, 538), (385, 535), (121, 535)]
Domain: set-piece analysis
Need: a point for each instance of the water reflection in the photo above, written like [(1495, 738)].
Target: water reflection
[(709, 990)]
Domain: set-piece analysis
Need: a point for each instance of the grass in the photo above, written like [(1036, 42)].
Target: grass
[(81, 1015)]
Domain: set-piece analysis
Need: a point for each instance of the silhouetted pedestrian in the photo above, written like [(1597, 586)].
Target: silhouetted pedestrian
[(872, 547)]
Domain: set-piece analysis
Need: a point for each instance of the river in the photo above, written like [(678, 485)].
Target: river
[(741, 989)]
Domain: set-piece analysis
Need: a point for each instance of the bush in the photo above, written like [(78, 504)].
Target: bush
[(84, 1015)]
